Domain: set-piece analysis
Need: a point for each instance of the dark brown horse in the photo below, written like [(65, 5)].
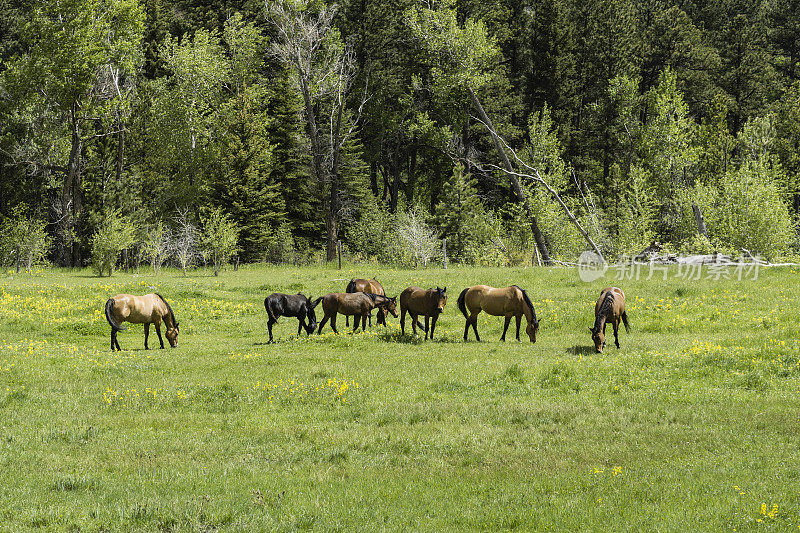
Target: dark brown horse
[(610, 306), (509, 302), (369, 286), (149, 309), (359, 304), (418, 301)]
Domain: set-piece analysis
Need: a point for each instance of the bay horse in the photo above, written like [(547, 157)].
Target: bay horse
[(610, 306), (294, 305), (510, 302), (418, 301), (359, 304), (148, 309), (370, 286)]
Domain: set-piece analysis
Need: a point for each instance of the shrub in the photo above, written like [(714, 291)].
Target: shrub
[(220, 237), (114, 235), (25, 239)]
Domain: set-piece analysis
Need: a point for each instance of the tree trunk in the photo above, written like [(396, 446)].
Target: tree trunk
[(322, 178), (120, 153), (412, 176), (701, 223), (520, 194), (373, 178), (395, 187), (67, 188)]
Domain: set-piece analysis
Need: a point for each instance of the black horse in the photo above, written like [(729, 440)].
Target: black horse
[(296, 305)]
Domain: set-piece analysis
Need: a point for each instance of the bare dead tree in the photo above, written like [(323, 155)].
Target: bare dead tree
[(185, 239), (533, 175), (324, 71)]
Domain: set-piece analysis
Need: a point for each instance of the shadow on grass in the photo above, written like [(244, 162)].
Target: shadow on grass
[(580, 350), (396, 336)]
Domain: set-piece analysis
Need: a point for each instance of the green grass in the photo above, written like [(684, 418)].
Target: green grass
[(693, 424)]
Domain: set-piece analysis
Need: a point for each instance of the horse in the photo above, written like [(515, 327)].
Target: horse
[(610, 305), (370, 286), (418, 301), (510, 302), (148, 309), (295, 305), (359, 304)]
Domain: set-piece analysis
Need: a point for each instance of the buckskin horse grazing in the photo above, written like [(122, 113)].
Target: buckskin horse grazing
[(510, 302), (359, 304), (370, 286), (294, 305), (148, 309), (610, 306), (418, 301)]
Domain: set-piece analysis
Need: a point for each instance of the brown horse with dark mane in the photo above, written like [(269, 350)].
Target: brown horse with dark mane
[(417, 301), (148, 309), (610, 306), (510, 302), (369, 286), (359, 304)]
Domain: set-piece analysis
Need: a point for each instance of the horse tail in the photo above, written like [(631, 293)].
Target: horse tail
[(270, 314), (115, 326), (624, 317), (351, 287), (317, 301), (527, 301), (461, 304), (169, 309)]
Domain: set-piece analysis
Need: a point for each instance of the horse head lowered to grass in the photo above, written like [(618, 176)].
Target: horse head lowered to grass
[(510, 302), (359, 304), (148, 309), (296, 305), (610, 306)]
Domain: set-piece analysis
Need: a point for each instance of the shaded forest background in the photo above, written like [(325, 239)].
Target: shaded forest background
[(178, 130)]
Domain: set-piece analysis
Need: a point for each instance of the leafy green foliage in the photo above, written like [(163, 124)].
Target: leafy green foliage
[(219, 238), (114, 234)]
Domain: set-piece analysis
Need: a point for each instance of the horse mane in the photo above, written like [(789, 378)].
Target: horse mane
[(171, 313), (351, 287), (527, 301), (605, 308)]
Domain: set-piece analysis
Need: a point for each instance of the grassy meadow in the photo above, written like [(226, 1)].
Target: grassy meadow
[(694, 424)]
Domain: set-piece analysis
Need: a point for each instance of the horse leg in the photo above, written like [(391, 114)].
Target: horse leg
[(347, 321), (433, 324), (370, 320), (301, 318), (333, 323), (413, 322), (519, 319), (357, 320), (158, 330), (270, 322), (427, 326), (466, 329), (146, 334), (615, 324), (505, 328), (402, 321), (322, 324), (363, 324), (475, 327)]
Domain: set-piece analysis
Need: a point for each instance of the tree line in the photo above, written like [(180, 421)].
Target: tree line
[(517, 131)]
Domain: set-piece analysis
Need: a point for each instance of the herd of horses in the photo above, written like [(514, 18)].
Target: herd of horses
[(362, 296)]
